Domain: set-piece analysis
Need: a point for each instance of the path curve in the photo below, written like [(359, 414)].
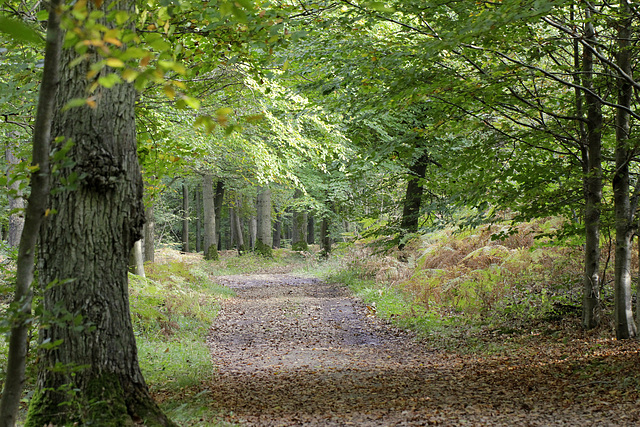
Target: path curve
[(298, 351)]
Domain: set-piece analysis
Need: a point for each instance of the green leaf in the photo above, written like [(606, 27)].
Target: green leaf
[(191, 102), (19, 31), (380, 6), (76, 102), (109, 80)]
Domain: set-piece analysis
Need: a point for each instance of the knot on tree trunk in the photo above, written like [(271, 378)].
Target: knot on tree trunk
[(101, 171)]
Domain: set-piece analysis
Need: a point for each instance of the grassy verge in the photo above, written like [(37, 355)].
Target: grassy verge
[(172, 310)]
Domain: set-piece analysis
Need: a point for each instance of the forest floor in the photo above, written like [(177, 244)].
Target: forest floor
[(291, 350)]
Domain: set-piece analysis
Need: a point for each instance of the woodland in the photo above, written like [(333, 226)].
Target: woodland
[(456, 181)]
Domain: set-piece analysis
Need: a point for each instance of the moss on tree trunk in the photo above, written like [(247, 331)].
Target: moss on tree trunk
[(91, 376)]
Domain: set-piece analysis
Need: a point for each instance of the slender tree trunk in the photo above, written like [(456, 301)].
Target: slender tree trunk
[(219, 199), (625, 325), (136, 261), (237, 225), (198, 215), (311, 230), (264, 238), (35, 212), (592, 180), (149, 233), (277, 230), (16, 220), (325, 230), (83, 260), (299, 227), (208, 201), (413, 196), (232, 227), (253, 231), (185, 218)]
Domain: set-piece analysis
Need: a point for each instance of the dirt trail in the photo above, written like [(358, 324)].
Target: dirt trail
[(297, 351)]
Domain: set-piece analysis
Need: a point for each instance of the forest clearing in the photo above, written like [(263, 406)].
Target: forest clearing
[(325, 212)]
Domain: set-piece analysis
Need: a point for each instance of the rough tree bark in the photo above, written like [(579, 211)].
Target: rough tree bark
[(92, 376), (623, 314), (592, 160), (35, 212), (210, 244)]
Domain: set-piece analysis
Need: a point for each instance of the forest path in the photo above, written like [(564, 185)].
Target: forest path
[(298, 351)]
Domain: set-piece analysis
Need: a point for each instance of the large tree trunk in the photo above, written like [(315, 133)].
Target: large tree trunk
[(16, 220), (623, 314), (208, 202), (185, 218), (149, 233), (34, 214), (263, 213), (83, 262), (592, 157), (413, 196)]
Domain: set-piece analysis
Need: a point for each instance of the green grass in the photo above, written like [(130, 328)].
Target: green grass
[(172, 310), (283, 260)]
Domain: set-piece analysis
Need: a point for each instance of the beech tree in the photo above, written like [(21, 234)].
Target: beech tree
[(209, 208), (264, 239)]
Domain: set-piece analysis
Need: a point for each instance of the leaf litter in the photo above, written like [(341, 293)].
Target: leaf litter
[(298, 351)]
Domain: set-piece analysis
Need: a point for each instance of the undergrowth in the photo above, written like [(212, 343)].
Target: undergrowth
[(470, 288)]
